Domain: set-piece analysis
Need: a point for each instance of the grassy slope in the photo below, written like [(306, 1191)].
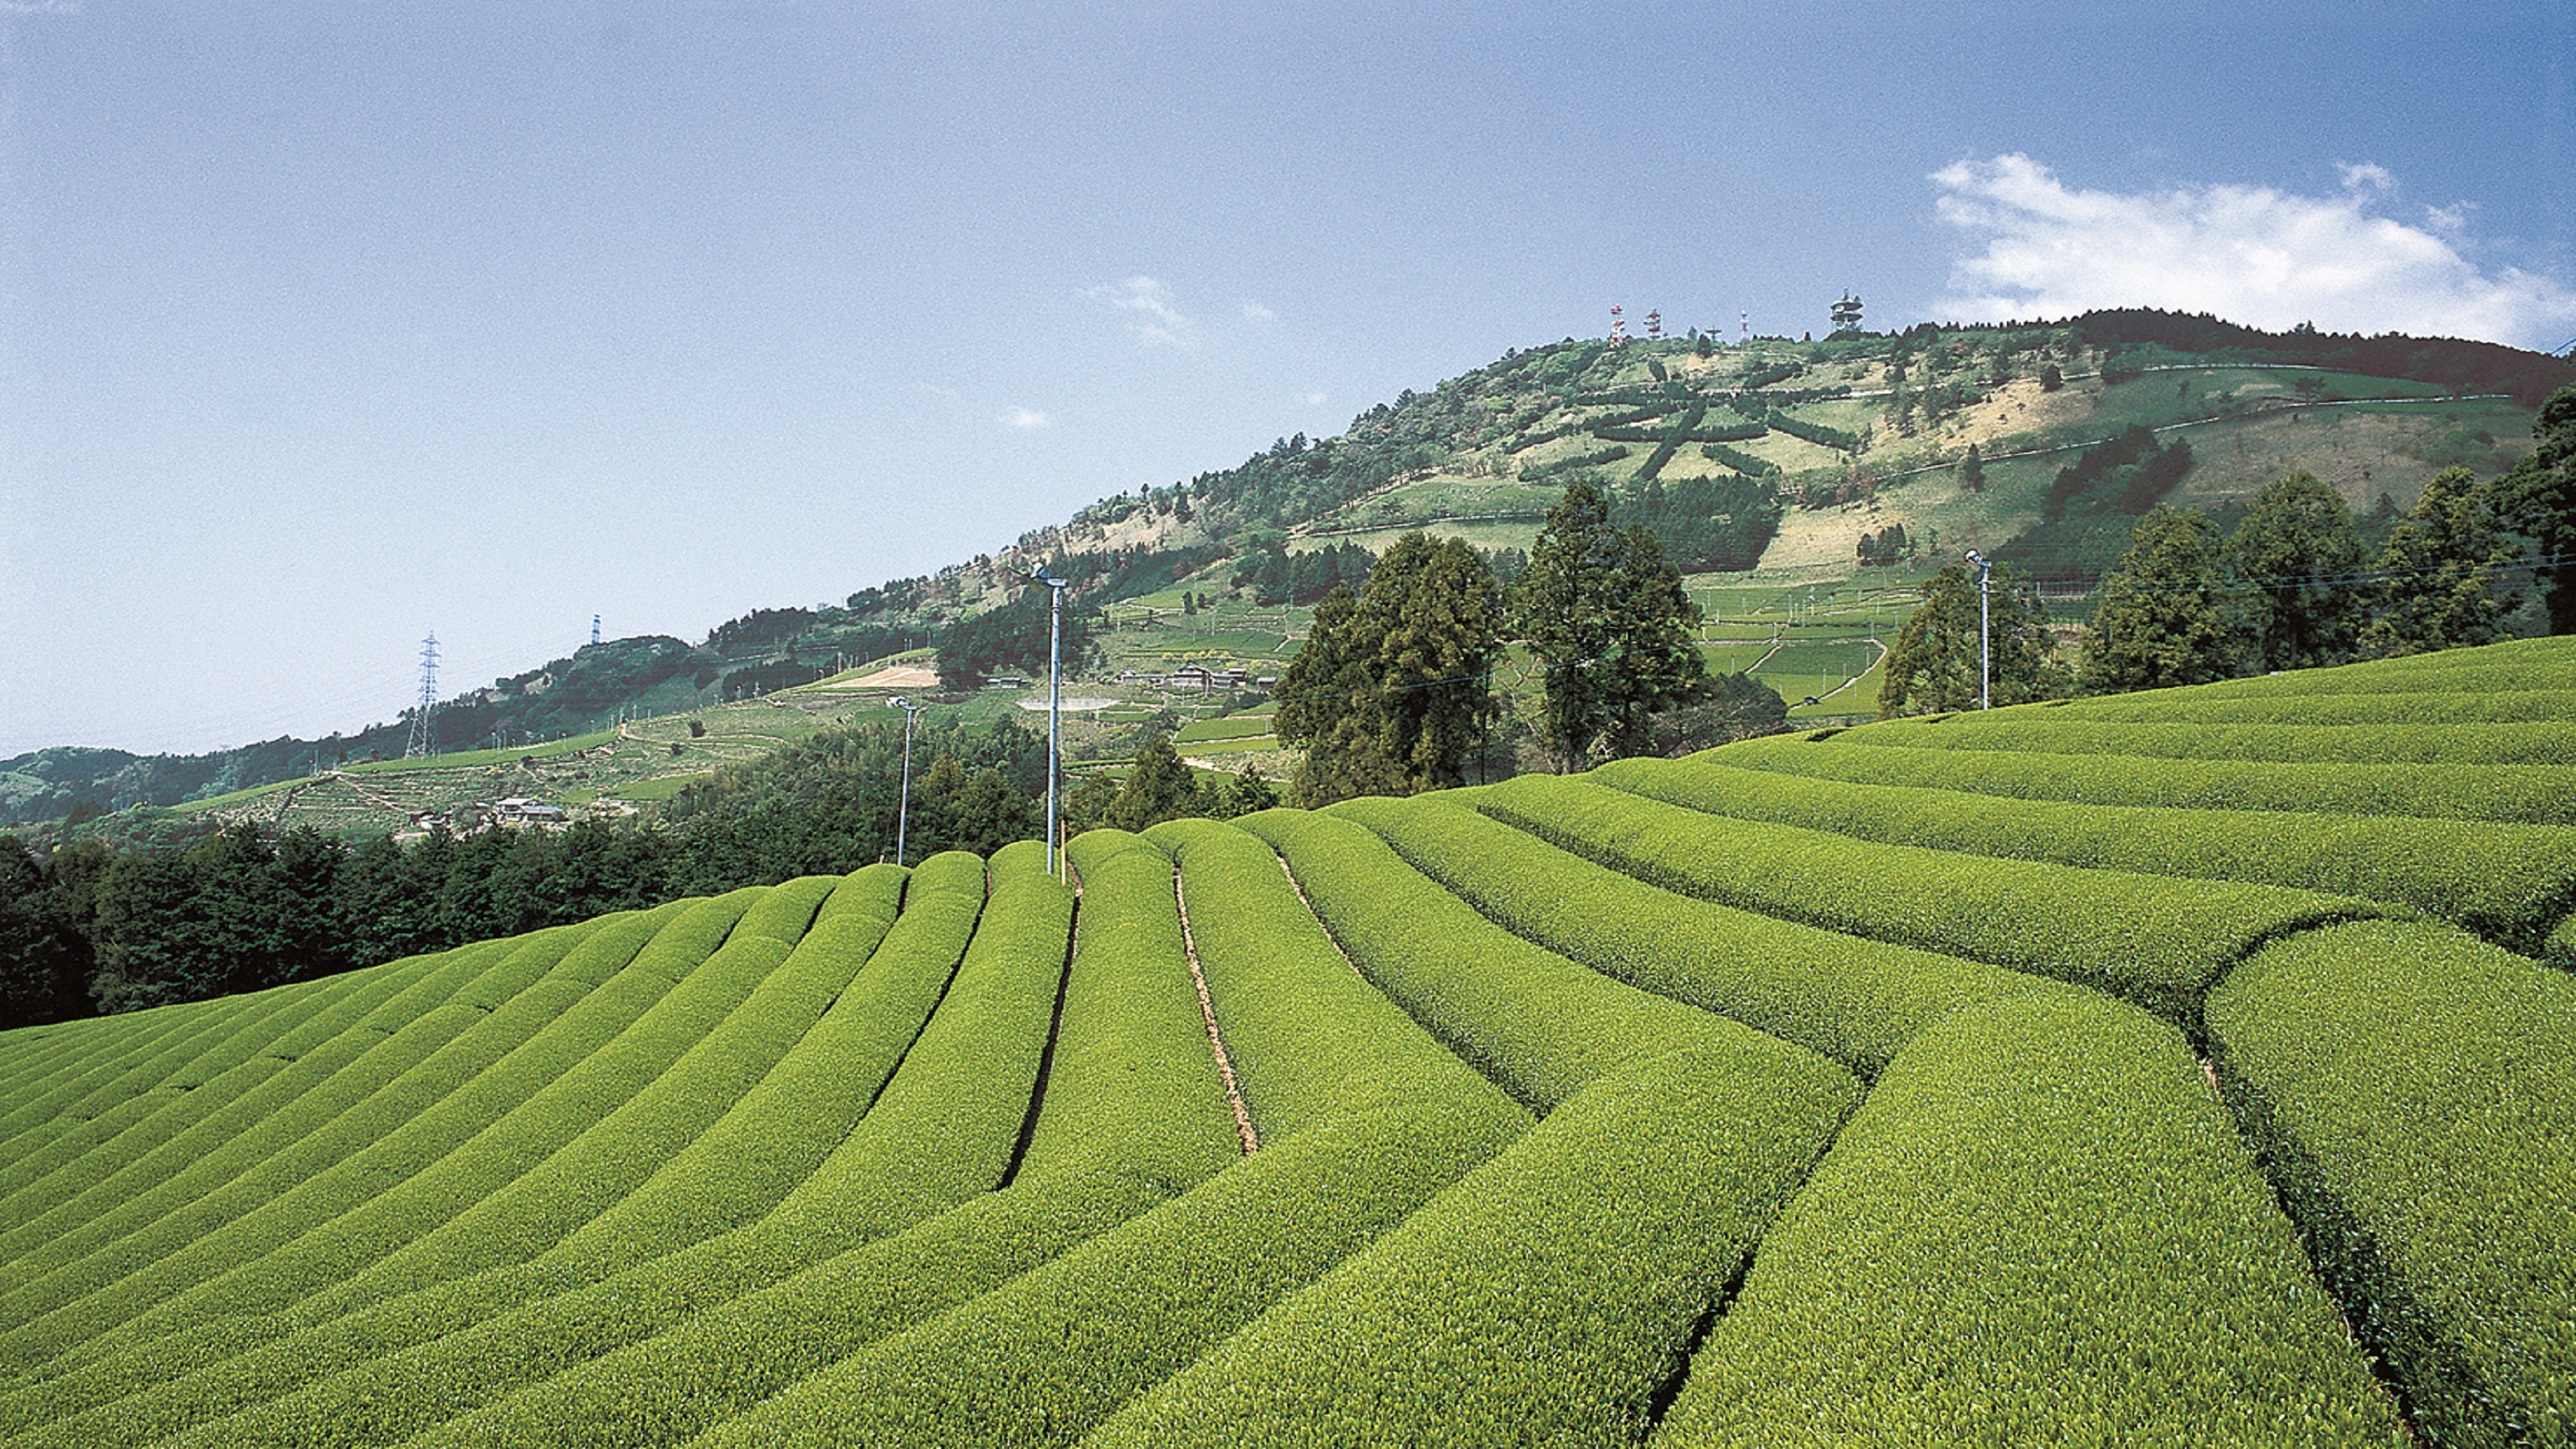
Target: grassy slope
[(330, 1209)]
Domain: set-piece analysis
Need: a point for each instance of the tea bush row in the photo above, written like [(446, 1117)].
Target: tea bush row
[(2509, 883), (432, 1109), (872, 1241), (1855, 1000), (2528, 794), (2041, 1228), (327, 1248), (409, 1363), (2415, 1092), (2514, 664), (1537, 1024), (2151, 939), (2422, 707), (237, 1174), (2552, 744), (612, 1193), (183, 1061), (235, 1084), (1304, 1029), (1548, 1296), (1046, 1354)]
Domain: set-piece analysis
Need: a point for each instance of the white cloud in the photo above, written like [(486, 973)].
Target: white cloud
[(39, 7), (1313, 399), (1026, 418), (2250, 254), (1154, 317), (1255, 312)]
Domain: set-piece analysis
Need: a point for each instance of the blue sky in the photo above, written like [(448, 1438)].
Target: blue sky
[(327, 326)]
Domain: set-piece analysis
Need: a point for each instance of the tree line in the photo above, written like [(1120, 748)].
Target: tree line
[(87, 929), (2291, 586), (1393, 691)]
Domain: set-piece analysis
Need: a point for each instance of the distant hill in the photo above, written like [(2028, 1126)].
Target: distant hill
[(1774, 462)]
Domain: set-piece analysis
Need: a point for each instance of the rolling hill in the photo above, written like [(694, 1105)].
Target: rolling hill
[(2195, 1067), (1765, 464)]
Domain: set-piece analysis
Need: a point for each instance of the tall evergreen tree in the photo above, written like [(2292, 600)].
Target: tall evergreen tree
[(1934, 664), (2443, 574), (1389, 693), (1611, 627), (1158, 788), (2161, 622), (2539, 495), (2299, 559)]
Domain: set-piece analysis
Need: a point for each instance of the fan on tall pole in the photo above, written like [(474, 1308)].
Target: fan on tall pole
[(1985, 625), (903, 811), (1055, 703)]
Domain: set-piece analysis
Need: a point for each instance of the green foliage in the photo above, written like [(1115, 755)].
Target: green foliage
[(1019, 634), (2540, 496), (1276, 576), (1548, 1296), (2159, 624), (2415, 1094), (1853, 1000), (1816, 433), (2443, 584), (2509, 883), (1157, 787), (1936, 661), (2155, 941), (2297, 552), (1703, 524), (1610, 626), (2551, 742), (1391, 689), (2526, 793), (2040, 1228), (1534, 1023), (2127, 475)]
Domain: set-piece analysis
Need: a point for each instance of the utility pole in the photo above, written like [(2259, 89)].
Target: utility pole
[(903, 812), (1055, 704), (1985, 630)]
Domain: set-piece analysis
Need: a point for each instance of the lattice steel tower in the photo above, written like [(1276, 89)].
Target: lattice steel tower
[(420, 744)]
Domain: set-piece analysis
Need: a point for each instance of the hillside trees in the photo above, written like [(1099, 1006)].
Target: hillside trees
[(2443, 581), (1157, 788), (1704, 524), (1014, 635), (45, 956), (2298, 557), (1611, 628), (2540, 495), (1390, 691), (2161, 623), (1934, 664)]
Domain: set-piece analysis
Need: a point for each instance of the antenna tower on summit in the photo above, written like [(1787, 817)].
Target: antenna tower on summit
[(1654, 326), (420, 745), (1744, 326), (594, 628), (1618, 327), (1847, 314)]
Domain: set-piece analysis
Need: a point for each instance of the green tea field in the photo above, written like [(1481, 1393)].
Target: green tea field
[(2193, 1068)]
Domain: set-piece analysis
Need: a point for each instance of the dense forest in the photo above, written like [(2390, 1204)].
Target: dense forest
[(85, 928)]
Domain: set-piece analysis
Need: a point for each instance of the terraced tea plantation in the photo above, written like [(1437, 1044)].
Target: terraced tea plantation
[(2190, 1069)]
